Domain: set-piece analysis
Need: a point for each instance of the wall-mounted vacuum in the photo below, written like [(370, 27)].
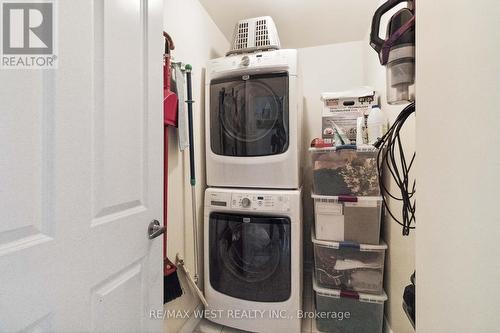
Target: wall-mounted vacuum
[(397, 51)]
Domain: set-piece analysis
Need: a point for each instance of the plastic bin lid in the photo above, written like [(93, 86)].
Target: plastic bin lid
[(338, 245), (359, 148), (362, 297), (354, 93), (336, 198)]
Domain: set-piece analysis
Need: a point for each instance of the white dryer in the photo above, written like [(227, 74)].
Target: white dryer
[(253, 117), (253, 258)]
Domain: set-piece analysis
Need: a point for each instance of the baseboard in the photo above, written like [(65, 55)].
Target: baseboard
[(387, 327), (192, 322)]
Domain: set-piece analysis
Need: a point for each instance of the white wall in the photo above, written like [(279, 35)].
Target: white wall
[(458, 78), (196, 39), (324, 68), (400, 255)]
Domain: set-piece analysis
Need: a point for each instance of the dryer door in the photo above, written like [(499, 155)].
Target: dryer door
[(249, 256), (249, 115)]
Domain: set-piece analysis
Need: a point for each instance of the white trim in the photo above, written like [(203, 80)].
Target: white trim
[(387, 327), (192, 322)]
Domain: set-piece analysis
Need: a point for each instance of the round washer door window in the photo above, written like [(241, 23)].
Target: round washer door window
[(249, 256), (251, 252)]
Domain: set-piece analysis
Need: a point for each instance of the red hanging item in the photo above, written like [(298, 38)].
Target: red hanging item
[(171, 288), (170, 104), (170, 100)]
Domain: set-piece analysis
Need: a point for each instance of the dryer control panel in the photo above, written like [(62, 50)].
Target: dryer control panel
[(250, 201), (252, 63)]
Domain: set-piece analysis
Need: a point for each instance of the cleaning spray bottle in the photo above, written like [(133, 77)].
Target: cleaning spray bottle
[(377, 124)]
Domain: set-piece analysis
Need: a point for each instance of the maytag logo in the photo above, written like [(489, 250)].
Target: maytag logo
[(28, 34)]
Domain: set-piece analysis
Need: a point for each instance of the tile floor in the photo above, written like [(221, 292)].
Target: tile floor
[(308, 325)]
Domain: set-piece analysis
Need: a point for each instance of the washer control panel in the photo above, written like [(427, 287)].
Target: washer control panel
[(260, 202), (219, 199), (249, 201)]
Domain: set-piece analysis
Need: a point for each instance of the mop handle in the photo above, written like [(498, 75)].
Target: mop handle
[(190, 102)]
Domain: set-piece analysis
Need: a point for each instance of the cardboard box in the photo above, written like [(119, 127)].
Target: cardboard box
[(341, 110)]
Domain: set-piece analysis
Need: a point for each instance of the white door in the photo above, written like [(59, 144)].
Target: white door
[(81, 175)]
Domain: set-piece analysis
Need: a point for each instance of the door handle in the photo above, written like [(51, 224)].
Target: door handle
[(155, 229)]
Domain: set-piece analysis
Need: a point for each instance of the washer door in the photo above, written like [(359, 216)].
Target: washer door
[(249, 115), (249, 256)]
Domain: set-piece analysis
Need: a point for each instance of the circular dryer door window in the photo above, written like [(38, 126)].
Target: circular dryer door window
[(249, 115), (256, 125), (250, 256)]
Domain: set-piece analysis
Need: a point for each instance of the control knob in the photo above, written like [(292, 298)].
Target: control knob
[(245, 202), (245, 61)]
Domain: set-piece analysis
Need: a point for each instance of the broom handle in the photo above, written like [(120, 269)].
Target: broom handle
[(190, 124), (192, 168)]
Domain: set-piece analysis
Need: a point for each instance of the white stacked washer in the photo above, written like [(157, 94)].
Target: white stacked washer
[(253, 258), (252, 127), (253, 210)]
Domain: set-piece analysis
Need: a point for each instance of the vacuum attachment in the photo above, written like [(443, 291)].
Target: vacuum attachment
[(409, 300), (397, 51), (254, 34)]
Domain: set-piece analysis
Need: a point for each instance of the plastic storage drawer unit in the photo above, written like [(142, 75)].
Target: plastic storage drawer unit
[(353, 219), (345, 170), (349, 312), (349, 266)]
